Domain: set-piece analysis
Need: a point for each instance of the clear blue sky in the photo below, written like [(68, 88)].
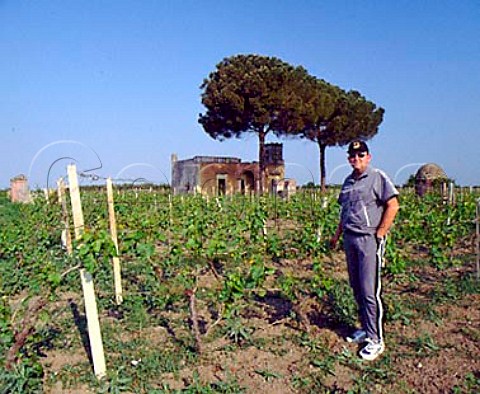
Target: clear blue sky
[(120, 79)]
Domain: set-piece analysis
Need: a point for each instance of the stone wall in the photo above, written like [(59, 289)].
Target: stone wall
[(185, 176)]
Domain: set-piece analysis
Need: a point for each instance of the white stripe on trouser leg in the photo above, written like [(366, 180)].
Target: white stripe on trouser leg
[(380, 253)]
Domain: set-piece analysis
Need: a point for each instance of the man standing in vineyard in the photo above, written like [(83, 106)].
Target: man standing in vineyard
[(369, 204)]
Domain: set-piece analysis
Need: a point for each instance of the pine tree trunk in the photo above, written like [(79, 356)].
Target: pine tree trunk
[(323, 172), (261, 160)]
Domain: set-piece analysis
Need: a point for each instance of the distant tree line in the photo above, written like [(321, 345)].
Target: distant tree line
[(263, 95)]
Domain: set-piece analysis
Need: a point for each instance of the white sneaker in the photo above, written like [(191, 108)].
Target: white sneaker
[(357, 337), (372, 350)]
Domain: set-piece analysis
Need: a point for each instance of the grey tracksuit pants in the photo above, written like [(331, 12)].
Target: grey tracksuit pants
[(364, 255)]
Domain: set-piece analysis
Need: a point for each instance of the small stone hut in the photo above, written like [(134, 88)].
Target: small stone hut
[(428, 177)]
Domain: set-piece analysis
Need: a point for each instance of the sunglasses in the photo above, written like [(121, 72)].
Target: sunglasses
[(361, 155)]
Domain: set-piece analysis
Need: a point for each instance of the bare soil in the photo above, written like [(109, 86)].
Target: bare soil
[(433, 348)]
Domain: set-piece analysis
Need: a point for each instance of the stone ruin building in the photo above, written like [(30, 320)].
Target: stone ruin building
[(430, 177), (19, 191), (213, 175)]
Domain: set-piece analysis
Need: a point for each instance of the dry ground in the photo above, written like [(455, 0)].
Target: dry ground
[(432, 348)]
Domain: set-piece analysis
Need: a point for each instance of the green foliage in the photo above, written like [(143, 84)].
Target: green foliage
[(237, 283), (197, 387), (430, 224), (343, 308), (250, 93), (24, 378), (335, 117), (167, 249), (115, 382), (452, 289), (396, 310), (6, 333), (237, 331), (410, 181), (470, 384), (268, 375), (93, 248), (397, 262), (424, 344)]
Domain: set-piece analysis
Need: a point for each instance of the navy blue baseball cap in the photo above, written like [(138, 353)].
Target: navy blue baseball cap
[(357, 146)]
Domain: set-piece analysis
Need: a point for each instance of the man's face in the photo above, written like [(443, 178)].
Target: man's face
[(359, 161)]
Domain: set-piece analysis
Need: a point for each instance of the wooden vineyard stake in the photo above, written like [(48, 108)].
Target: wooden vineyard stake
[(93, 324), (117, 276), (170, 207), (63, 203), (451, 194), (75, 200), (45, 194), (264, 229), (324, 202), (94, 333)]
